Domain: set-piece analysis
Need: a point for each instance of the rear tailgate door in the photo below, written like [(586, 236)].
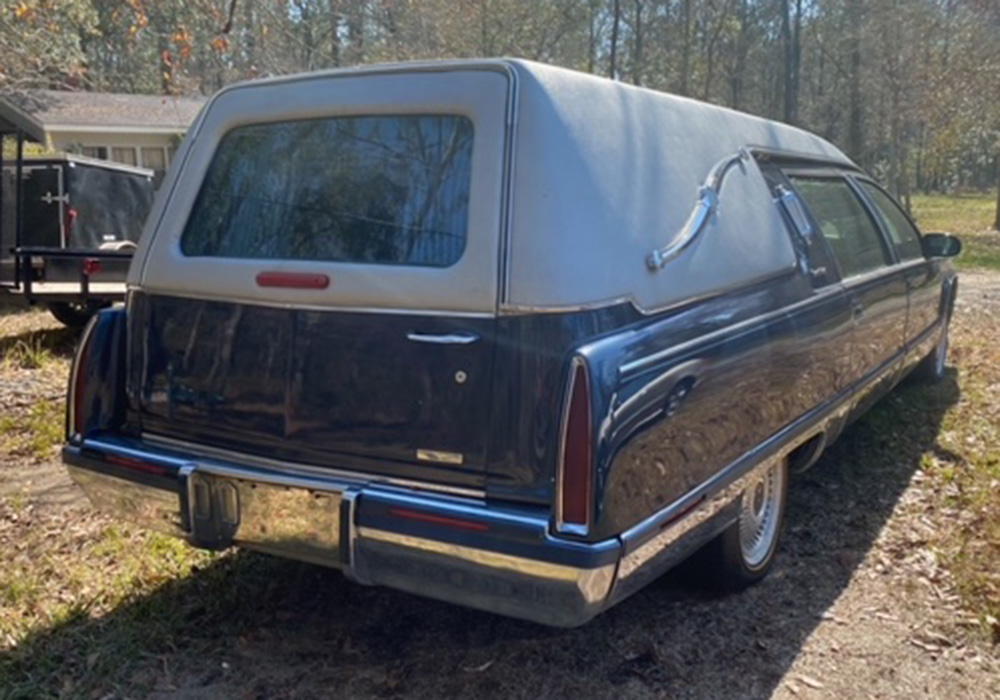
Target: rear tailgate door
[(323, 283)]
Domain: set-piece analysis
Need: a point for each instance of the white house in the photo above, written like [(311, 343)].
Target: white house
[(138, 130)]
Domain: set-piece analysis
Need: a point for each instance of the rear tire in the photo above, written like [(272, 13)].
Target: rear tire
[(744, 553), (73, 314)]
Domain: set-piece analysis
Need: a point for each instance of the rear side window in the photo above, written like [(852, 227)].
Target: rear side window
[(380, 189), (903, 234), (845, 224)]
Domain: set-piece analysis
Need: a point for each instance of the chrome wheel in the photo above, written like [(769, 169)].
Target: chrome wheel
[(760, 516)]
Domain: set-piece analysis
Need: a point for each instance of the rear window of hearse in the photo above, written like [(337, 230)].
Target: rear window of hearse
[(381, 189)]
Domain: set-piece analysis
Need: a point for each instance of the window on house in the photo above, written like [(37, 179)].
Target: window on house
[(154, 158), (123, 154), (96, 152)]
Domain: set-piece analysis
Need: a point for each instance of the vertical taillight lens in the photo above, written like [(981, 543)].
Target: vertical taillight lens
[(576, 473), (76, 417)]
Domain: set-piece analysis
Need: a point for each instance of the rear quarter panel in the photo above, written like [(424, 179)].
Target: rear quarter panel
[(753, 362)]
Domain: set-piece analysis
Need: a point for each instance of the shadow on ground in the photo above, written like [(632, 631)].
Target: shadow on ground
[(256, 627)]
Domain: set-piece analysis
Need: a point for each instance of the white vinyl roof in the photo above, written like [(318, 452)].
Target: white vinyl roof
[(600, 174)]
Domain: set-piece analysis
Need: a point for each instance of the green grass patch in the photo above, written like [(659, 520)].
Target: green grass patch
[(80, 609), (979, 251), (33, 432), (968, 216), (955, 213), (30, 353)]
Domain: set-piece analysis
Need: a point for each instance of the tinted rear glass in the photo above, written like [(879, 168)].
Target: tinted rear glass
[(384, 189)]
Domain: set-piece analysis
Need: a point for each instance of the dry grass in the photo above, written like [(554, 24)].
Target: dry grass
[(965, 474), (34, 432), (63, 567)]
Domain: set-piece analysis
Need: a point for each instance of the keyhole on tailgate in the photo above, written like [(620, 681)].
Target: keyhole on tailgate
[(461, 376)]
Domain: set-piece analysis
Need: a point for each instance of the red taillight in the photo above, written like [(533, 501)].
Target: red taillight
[(577, 455), (76, 418), (293, 280), (91, 266), (136, 464), (457, 523)]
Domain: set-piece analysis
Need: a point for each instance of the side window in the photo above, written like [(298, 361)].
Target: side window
[(903, 234), (810, 249), (844, 223)]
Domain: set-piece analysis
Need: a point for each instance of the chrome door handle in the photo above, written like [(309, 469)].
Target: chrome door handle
[(443, 338)]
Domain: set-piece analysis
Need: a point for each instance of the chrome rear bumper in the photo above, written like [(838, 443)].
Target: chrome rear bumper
[(456, 549), (459, 549)]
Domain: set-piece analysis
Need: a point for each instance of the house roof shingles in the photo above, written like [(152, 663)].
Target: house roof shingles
[(59, 108)]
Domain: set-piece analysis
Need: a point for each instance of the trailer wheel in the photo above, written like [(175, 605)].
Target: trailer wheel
[(73, 314)]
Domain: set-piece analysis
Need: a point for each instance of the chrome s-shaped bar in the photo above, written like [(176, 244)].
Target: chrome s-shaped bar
[(708, 204)]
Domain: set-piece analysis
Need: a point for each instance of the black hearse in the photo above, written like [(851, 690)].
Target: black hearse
[(498, 333), (68, 228)]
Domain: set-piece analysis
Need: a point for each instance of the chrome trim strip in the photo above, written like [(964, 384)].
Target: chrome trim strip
[(443, 339), (483, 557), (629, 368), (307, 471), (507, 191), (296, 481), (766, 153)]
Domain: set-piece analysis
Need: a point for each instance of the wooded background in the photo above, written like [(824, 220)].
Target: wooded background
[(909, 88)]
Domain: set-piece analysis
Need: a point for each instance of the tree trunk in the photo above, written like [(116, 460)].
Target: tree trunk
[(335, 59), (356, 33), (791, 37), (592, 37), (637, 37), (686, 50), (855, 128), (786, 42), (796, 67), (613, 67), (738, 78)]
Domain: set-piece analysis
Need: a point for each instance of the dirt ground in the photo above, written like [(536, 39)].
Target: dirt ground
[(858, 606)]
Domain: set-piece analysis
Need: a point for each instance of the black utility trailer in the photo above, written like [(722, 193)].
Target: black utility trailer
[(68, 227)]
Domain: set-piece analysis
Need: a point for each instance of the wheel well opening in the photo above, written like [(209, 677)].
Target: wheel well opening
[(678, 392), (806, 454)]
